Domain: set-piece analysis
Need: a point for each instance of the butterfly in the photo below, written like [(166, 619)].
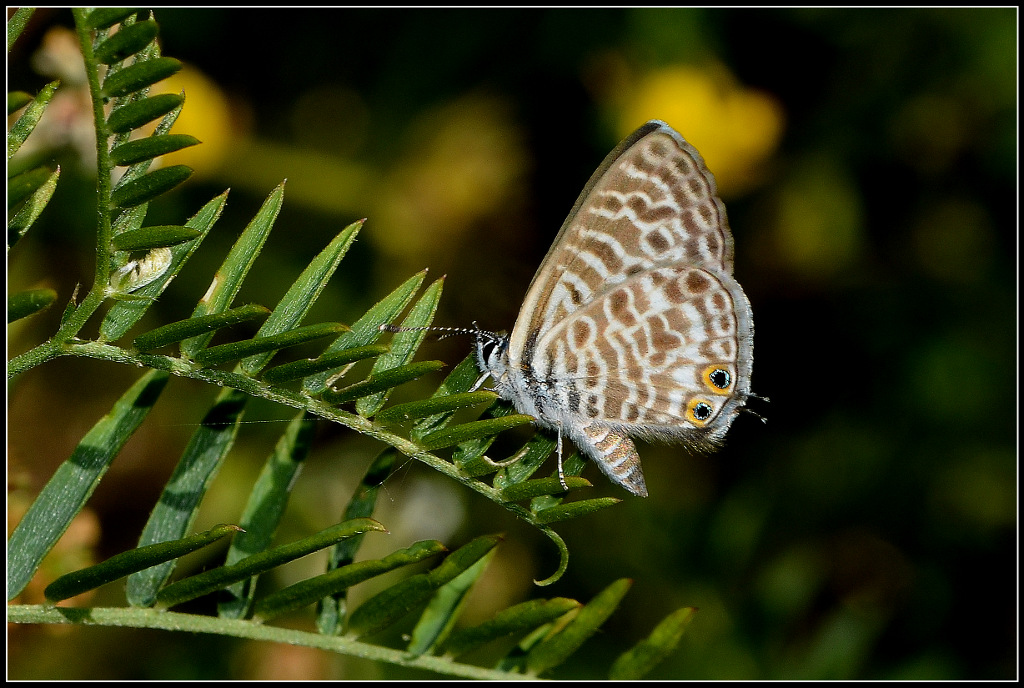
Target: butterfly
[(634, 325)]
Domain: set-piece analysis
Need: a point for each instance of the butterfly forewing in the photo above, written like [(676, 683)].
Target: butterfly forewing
[(651, 203)]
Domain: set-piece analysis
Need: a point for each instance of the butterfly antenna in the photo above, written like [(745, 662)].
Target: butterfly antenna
[(448, 331)]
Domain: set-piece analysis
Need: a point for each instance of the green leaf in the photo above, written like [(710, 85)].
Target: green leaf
[(583, 507), (302, 294), (25, 184), (16, 24), (138, 76), (149, 186), (154, 236), (126, 42), (183, 329), (150, 147), (638, 661), (17, 100), (331, 611), (514, 620), (222, 576), (235, 267), (448, 437), (74, 481), (265, 507), (26, 303), (544, 486), (287, 372), (133, 560), (554, 650), (178, 506), (105, 17), (133, 115), (403, 345), (382, 381), (444, 608), (433, 406), (234, 351), (366, 330), (30, 210), (309, 591), (393, 603), (28, 120)]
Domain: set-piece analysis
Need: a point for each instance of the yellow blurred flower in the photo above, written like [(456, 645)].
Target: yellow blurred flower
[(736, 129), (207, 115), (465, 163)]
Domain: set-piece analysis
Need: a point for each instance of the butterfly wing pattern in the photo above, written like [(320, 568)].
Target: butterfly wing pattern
[(634, 324)]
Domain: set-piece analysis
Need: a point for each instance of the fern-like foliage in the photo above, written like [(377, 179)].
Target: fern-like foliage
[(134, 264)]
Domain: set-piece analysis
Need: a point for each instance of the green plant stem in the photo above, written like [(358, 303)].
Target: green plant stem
[(295, 399), (103, 164), (174, 621)]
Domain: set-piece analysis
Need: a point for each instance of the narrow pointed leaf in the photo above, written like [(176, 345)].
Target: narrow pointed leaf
[(74, 481), (105, 17), (222, 576), (21, 186), (16, 24), (514, 620), (234, 351), (133, 560), (457, 434), (391, 604), (366, 330), (150, 147), (28, 120), (30, 210), (126, 42), (444, 608), (382, 381), (299, 369), (403, 345), (235, 267), (434, 406), (138, 76), (334, 582), (183, 329), (149, 186), (266, 506), (17, 100), (638, 661), (556, 649), (583, 507), (543, 486), (135, 114), (331, 612), (26, 303), (154, 236), (178, 506), (303, 293)]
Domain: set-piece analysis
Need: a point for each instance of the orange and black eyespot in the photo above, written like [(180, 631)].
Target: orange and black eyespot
[(718, 379), (699, 411)]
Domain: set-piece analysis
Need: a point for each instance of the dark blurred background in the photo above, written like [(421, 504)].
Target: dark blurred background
[(868, 160)]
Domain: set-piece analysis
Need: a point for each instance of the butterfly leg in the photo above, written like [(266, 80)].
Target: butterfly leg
[(561, 472), (480, 382)]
